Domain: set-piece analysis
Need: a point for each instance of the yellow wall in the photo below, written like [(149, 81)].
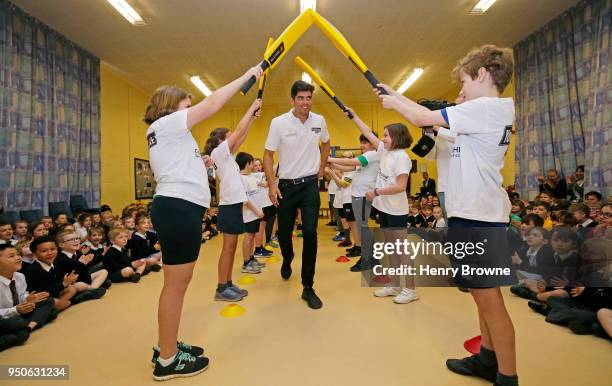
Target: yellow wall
[(123, 133), (123, 136)]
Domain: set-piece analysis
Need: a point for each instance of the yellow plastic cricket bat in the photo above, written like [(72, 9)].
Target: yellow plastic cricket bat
[(282, 44), (262, 80), (343, 45), (326, 89)]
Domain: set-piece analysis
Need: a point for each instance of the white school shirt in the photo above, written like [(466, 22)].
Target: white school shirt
[(262, 196), (175, 160), (364, 178), (250, 188), (347, 191), (7, 309), (483, 129), (392, 164), (297, 144), (231, 188)]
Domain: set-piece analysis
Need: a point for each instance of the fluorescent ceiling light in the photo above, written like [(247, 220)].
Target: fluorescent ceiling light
[(200, 85), (411, 79), (305, 4), (482, 7), (127, 11), (306, 78)]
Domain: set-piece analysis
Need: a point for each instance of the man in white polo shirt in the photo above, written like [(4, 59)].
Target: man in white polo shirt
[(302, 141)]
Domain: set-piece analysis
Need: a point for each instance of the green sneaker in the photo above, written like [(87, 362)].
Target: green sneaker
[(184, 365), (182, 346)]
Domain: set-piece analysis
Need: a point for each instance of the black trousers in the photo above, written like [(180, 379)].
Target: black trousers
[(305, 197), (43, 313)]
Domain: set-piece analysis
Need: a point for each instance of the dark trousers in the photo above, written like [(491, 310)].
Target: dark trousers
[(305, 197), (565, 310), (43, 313)]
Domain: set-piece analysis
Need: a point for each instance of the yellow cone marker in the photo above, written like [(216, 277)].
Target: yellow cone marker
[(272, 260), (246, 280), (232, 310)]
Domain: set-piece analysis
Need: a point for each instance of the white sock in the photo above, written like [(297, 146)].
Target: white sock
[(166, 362)]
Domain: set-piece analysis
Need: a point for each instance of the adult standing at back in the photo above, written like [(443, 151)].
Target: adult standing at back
[(181, 198), (302, 141)]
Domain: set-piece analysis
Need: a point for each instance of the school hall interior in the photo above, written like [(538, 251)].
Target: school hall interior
[(77, 76)]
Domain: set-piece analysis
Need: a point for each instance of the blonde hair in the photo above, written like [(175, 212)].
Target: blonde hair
[(497, 61), (113, 233), (164, 101)]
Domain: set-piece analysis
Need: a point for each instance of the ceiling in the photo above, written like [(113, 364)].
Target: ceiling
[(220, 39)]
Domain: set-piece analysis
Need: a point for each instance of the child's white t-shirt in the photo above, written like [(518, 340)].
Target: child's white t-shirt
[(332, 188), (347, 177), (250, 187), (338, 198), (231, 188), (262, 196), (393, 163), (441, 153), (483, 129), (176, 161), (365, 176)]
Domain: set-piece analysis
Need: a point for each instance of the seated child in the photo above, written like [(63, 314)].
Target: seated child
[(130, 224), (42, 276), (542, 209), (117, 261), (529, 262), (82, 225), (23, 249), (77, 259), (438, 215), (47, 221), (38, 229), (6, 233), (143, 244), (415, 219), (21, 230), (20, 312), (96, 245), (426, 213)]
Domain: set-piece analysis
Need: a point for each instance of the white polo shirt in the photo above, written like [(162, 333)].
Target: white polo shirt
[(175, 160), (483, 128), (297, 144), (365, 176), (230, 186), (393, 163)]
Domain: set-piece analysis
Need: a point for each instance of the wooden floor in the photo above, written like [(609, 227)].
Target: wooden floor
[(355, 339)]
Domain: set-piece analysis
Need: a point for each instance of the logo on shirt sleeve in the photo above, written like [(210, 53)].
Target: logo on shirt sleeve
[(151, 139), (316, 130), (505, 141)]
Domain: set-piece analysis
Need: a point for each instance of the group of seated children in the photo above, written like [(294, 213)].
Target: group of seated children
[(47, 266), (562, 255)]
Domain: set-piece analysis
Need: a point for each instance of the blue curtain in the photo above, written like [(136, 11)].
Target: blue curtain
[(49, 115), (564, 99)]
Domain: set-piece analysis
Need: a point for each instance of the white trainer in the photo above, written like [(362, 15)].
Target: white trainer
[(387, 291), (406, 296)]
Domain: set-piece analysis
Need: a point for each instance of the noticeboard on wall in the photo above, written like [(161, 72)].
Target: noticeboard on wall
[(144, 181)]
